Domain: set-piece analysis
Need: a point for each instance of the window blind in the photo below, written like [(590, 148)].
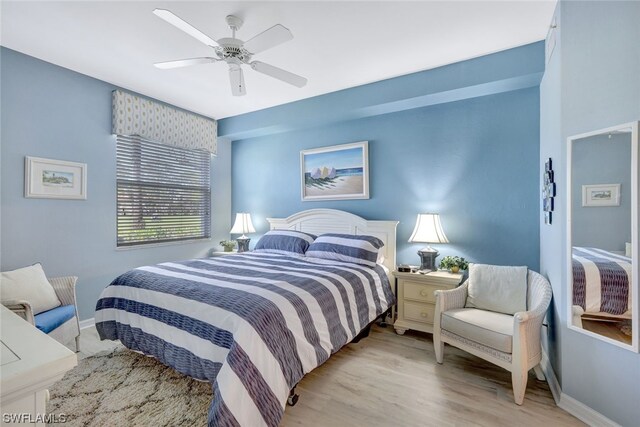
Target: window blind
[(163, 192)]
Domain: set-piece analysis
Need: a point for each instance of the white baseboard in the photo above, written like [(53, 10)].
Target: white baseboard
[(576, 408), (552, 380), (584, 413), (87, 323)]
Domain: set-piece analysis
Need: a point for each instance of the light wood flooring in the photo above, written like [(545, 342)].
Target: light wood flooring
[(394, 380), (608, 329)]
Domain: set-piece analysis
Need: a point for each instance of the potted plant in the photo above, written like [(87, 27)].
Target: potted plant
[(454, 263), (228, 245)]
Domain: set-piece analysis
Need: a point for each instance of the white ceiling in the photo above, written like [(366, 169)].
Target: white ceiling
[(336, 45)]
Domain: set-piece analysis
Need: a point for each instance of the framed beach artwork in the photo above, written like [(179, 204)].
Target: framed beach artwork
[(601, 195), (339, 172), (54, 179)]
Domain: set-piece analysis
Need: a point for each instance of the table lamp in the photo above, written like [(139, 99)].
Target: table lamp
[(243, 225), (428, 229)]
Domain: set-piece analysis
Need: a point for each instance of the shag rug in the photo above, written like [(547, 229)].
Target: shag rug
[(625, 327), (124, 388)]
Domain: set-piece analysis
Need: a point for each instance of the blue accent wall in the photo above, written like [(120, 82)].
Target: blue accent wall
[(52, 112), (590, 83), (473, 160)]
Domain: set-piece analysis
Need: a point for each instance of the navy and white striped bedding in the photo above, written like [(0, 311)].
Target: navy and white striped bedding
[(285, 242), (252, 324), (601, 281), (359, 249)]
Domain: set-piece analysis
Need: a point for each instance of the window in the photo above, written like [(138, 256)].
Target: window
[(164, 193)]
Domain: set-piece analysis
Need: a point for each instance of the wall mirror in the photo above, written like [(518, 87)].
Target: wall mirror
[(602, 234)]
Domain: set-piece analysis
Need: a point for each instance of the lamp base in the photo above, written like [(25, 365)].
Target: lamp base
[(243, 244), (428, 257)]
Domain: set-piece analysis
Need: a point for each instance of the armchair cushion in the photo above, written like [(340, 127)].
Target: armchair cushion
[(29, 284), (488, 328), (52, 319), (497, 288)]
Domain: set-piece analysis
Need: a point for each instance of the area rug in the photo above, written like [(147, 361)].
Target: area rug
[(123, 388), (625, 327)]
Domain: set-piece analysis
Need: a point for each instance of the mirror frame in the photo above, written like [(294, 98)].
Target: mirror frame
[(634, 236)]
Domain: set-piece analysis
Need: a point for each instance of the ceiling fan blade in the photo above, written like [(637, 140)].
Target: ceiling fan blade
[(237, 81), (279, 73), (268, 39), (184, 62), (181, 24)]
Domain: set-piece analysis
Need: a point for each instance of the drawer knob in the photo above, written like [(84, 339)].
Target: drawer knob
[(424, 293), (423, 314)]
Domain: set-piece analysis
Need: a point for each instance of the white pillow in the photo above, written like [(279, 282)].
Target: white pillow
[(31, 285), (497, 288)]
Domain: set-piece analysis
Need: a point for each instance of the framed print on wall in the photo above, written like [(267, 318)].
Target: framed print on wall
[(600, 195), (54, 179), (339, 172)]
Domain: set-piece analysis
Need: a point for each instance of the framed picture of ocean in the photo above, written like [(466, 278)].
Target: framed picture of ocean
[(54, 179), (339, 172)]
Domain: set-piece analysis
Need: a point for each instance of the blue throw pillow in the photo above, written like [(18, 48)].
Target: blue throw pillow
[(285, 242), (360, 249)]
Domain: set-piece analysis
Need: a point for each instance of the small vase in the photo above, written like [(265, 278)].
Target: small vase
[(455, 269), (228, 249)]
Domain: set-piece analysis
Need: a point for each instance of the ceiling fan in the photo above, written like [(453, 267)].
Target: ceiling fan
[(234, 51)]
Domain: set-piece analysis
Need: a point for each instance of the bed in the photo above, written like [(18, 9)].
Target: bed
[(252, 324), (601, 284)]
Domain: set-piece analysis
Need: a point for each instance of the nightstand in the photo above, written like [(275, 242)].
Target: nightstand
[(416, 299)]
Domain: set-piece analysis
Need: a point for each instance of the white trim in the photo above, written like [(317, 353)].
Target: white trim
[(87, 323), (568, 403), (552, 380), (584, 413), (320, 221)]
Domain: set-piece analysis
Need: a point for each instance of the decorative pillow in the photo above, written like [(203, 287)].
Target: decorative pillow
[(31, 285), (346, 247), (497, 288), (285, 242)]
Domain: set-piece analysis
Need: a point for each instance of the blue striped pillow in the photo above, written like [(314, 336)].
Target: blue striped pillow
[(346, 247), (285, 242)]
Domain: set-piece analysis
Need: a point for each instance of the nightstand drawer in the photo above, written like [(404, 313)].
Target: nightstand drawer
[(419, 312), (420, 291)]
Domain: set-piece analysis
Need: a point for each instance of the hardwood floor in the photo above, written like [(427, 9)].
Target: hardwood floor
[(392, 380), (607, 329)]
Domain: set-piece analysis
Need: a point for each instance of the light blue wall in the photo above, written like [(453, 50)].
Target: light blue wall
[(475, 161), (552, 236), (602, 160), (49, 111), (591, 84)]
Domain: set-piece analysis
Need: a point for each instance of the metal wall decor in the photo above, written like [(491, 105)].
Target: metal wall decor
[(548, 192)]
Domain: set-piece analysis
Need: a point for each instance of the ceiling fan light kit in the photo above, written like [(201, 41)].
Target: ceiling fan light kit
[(234, 51)]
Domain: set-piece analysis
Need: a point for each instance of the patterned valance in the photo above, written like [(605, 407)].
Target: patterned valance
[(136, 116)]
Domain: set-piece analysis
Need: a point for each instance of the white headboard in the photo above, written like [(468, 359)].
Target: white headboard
[(320, 221)]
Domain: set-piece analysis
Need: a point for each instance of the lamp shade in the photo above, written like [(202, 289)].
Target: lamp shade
[(428, 229), (243, 224)]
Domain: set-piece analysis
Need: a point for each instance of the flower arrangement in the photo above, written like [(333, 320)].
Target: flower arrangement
[(228, 245), (454, 263)]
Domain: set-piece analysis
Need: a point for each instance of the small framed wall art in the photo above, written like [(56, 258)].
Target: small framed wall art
[(54, 179), (600, 195), (548, 191)]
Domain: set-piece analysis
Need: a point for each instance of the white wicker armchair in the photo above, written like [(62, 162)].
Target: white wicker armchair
[(65, 288), (526, 351)]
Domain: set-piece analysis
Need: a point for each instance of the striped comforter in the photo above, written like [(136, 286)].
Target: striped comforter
[(601, 281), (251, 324)]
